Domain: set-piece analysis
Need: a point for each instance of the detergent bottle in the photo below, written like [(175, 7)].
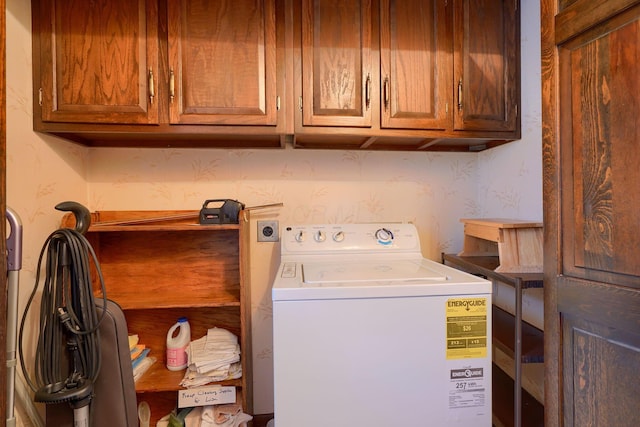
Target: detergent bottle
[(177, 345)]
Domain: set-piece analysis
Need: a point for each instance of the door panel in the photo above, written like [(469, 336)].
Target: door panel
[(222, 61), (598, 359), (337, 74), (485, 42), (591, 117), (601, 117), (415, 60), (100, 62)]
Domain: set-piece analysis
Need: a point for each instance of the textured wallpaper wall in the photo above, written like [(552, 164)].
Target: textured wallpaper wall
[(433, 190)]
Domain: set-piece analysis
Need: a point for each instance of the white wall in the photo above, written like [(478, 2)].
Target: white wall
[(433, 190), (510, 177)]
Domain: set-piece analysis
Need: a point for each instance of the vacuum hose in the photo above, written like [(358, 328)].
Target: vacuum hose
[(68, 357)]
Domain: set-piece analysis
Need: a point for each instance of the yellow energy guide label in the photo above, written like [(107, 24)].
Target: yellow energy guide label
[(466, 328)]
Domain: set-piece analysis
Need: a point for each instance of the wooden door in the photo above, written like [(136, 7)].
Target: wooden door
[(486, 68), (415, 59), (98, 61), (337, 72), (222, 62), (591, 125)]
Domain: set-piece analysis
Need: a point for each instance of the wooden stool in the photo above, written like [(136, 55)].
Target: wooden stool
[(517, 243)]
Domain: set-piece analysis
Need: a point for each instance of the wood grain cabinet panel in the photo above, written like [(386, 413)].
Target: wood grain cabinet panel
[(337, 68), (158, 73), (367, 74), (98, 61), (405, 75), (415, 64), (591, 117), (486, 66), (222, 61)]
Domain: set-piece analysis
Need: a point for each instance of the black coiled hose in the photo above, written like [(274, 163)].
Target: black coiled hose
[(68, 328)]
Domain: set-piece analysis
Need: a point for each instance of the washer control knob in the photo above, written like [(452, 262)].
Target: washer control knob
[(320, 236), (338, 237), (300, 236), (384, 236)]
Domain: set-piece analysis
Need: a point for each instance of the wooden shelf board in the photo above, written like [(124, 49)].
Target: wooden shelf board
[(485, 266), (503, 328), (162, 227), (196, 297), (502, 222), (532, 373), (159, 378), (503, 401), (162, 403)]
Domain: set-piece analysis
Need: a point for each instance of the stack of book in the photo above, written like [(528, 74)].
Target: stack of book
[(140, 359)]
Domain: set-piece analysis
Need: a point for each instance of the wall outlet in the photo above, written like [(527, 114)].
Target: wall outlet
[(268, 231)]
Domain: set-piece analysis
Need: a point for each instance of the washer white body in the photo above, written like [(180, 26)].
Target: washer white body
[(367, 332)]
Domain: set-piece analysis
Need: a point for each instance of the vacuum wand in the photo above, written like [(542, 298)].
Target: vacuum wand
[(14, 264)]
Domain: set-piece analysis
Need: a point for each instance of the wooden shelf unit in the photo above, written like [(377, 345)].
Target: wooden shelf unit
[(513, 337), (160, 270)]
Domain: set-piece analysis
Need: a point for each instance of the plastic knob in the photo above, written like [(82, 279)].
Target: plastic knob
[(384, 236)]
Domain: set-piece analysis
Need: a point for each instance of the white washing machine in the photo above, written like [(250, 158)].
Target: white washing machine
[(367, 332)]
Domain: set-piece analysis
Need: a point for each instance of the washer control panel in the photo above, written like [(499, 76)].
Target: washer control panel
[(300, 239)]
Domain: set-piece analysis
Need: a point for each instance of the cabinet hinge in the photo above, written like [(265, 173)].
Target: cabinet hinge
[(446, 108), (516, 111), (277, 103), (300, 103), (40, 97)]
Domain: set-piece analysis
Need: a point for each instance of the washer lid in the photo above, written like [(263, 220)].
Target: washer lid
[(369, 271), (372, 278)]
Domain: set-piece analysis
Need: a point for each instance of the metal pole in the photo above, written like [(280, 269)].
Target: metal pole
[(14, 264), (517, 407)]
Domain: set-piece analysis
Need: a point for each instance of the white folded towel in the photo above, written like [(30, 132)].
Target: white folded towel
[(214, 357), (227, 415)]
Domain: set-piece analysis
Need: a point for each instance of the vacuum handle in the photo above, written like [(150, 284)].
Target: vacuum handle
[(14, 241)]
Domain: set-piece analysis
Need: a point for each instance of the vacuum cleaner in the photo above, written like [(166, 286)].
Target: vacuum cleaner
[(68, 356)]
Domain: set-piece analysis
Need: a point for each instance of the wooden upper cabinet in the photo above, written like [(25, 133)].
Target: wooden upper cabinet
[(222, 62), (486, 69), (415, 62), (98, 61), (337, 69)]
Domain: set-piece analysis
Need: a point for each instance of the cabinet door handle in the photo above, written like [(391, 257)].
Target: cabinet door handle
[(367, 91), (172, 85), (386, 92), (152, 90), (460, 95)]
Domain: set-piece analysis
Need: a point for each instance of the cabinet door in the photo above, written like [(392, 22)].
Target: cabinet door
[(98, 61), (337, 74), (222, 62), (415, 49), (486, 40), (591, 122)]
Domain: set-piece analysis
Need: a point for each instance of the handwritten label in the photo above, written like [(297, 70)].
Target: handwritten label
[(204, 396)]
